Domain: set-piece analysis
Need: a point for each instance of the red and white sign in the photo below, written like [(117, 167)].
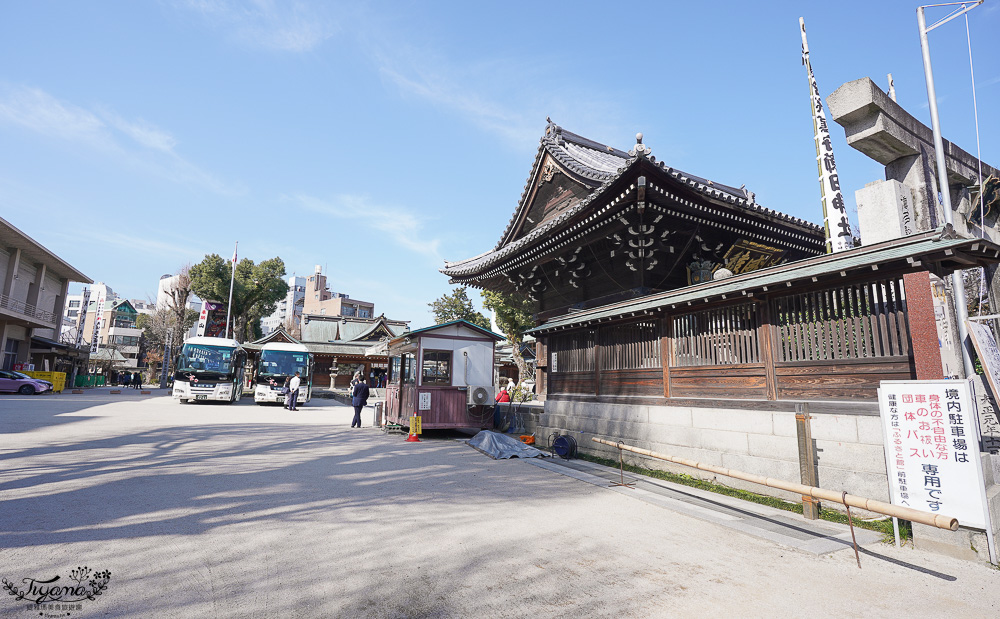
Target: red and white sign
[(931, 434)]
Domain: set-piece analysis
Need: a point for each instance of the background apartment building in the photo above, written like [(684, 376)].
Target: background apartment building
[(289, 308), (116, 332), (319, 301)]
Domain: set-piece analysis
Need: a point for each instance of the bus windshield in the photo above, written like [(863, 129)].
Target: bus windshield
[(204, 358), (284, 363)]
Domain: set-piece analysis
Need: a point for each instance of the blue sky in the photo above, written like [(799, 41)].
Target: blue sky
[(380, 138)]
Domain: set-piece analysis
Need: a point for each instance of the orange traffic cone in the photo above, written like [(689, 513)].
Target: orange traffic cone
[(412, 438)]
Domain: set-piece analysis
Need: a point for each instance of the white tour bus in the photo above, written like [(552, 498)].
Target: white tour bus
[(278, 361), (210, 368)]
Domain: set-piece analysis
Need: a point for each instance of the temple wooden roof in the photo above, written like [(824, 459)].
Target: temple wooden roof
[(631, 213)]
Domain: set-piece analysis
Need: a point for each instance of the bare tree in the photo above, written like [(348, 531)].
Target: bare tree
[(177, 302), (293, 327)]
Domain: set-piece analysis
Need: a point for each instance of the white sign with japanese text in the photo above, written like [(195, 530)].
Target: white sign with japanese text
[(425, 401), (989, 356), (932, 448)]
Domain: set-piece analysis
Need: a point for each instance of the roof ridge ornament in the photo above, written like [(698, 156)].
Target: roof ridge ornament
[(551, 129), (640, 149)]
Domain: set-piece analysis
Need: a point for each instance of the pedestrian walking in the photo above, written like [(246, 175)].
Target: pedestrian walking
[(293, 395), (137, 380), (286, 391), (359, 398)]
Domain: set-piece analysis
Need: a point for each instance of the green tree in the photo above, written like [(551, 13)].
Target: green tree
[(458, 306), (256, 291), (514, 316)]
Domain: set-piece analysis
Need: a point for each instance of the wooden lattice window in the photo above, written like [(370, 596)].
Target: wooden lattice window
[(721, 336), (632, 346), (859, 321), (572, 352)]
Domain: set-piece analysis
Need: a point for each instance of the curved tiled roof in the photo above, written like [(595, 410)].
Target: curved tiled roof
[(598, 165)]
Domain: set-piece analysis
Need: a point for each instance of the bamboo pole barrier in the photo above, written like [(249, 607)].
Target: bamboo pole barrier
[(906, 513)]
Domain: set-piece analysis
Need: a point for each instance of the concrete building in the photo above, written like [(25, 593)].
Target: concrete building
[(33, 292), (289, 308), (143, 307), (116, 332), (319, 301)]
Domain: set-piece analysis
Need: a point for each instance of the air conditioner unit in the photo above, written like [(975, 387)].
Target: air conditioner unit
[(480, 395)]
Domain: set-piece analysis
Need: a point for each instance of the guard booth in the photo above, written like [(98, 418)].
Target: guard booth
[(444, 374)]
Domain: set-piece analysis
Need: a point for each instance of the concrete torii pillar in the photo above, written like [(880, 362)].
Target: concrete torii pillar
[(906, 201), (880, 128)]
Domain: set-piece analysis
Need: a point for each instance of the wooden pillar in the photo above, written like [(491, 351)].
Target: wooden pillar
[(807, 459), (765, 338), (665, 342), (541, 367), (597, 361), (926, 347)]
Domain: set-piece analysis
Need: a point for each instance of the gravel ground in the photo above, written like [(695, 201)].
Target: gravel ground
[(246, 511)]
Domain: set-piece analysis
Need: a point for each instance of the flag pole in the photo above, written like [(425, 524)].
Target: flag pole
[(838, 226), (232, 279)]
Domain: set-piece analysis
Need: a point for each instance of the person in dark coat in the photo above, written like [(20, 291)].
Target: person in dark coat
[(359, 398)]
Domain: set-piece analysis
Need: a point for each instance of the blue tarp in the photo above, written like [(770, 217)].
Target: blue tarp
[(501, 446)]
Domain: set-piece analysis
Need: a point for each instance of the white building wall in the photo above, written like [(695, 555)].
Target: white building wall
[(472, 361)]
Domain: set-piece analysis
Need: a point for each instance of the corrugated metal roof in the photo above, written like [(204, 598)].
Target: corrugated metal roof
[(917, 247)]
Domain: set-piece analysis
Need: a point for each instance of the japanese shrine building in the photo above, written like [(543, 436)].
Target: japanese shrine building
[(677, 314)]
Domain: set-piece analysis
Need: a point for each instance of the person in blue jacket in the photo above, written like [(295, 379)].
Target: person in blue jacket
[(359, 398)]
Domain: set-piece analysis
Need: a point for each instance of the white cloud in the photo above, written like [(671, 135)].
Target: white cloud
[(138, 143), (449, 93), (509, 96), (102, 238), (401, 226), (282, 26), (38, 111), (143, 133)]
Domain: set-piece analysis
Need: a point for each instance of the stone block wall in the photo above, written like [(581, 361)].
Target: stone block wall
[(849, 449)]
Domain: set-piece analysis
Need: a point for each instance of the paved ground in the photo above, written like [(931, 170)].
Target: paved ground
[(245, 511)]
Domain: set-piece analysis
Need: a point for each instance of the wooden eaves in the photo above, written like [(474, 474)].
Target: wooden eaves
[(939, 251)]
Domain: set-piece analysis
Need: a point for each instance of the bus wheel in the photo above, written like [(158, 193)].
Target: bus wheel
[(183, 400)]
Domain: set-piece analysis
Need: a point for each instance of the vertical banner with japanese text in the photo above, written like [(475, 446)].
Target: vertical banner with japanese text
[(95, 337), (81, 318), (932, 448), (838, 226)]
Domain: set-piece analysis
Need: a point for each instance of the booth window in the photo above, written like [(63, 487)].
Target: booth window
[(394, 368), (437, 367), (409, 369)]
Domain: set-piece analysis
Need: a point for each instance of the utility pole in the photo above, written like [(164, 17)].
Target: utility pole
[(944, 191)]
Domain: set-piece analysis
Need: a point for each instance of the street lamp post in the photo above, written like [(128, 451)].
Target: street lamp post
[(957, 278)]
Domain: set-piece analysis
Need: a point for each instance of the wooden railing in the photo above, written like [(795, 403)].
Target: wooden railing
[(834, 343)]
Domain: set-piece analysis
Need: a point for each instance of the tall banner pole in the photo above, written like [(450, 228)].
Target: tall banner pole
[(95, 336), (838, 226), (232, 279), (81, 318)]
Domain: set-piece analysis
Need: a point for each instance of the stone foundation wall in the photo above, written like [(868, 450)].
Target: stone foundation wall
[(848, 447)]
